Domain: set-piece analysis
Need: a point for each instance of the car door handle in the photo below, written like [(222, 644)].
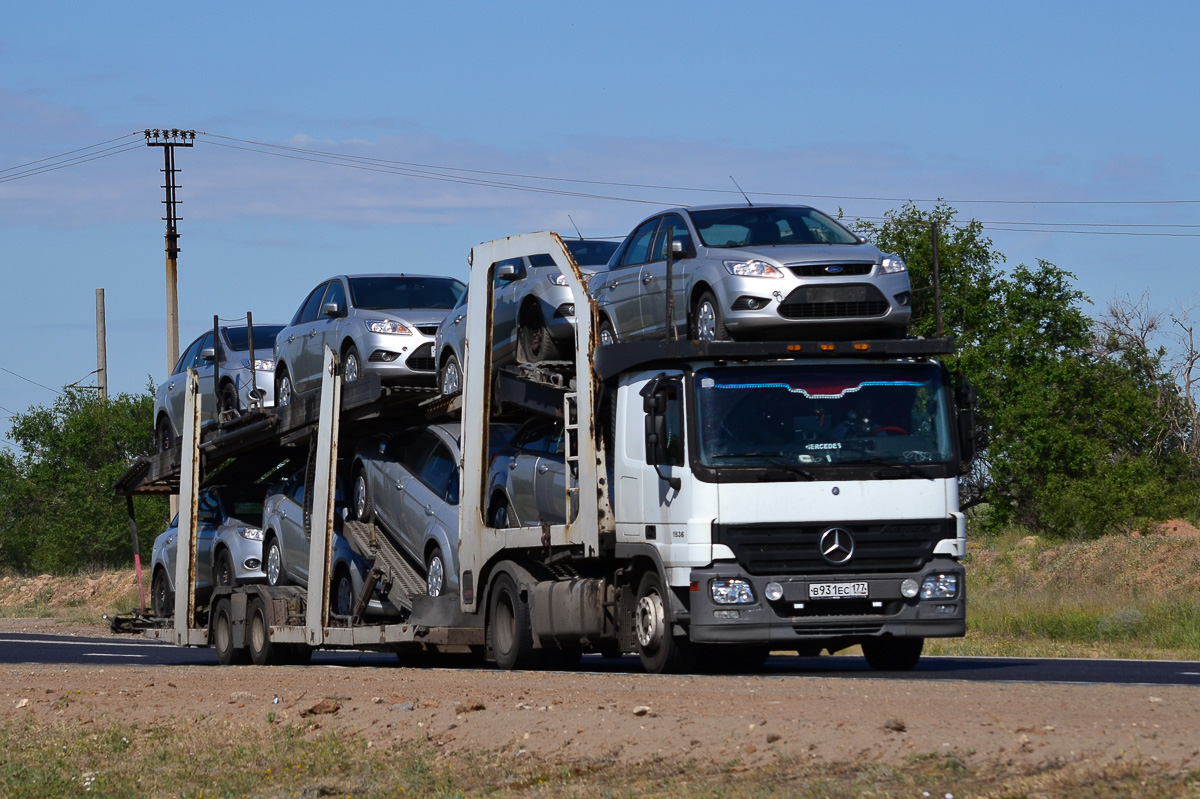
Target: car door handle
[(312, 333), (612, 285), (399, 486), (457, 319), (283, 513), (647, 278), (543, 468), (170, 385), (512, 463), (428, 510), (291, 337)]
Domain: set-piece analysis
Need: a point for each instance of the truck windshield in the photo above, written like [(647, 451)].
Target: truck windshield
[(809, 416)]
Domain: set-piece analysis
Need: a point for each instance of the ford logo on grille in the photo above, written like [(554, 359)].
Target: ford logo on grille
[(835, 269), (836, 546)]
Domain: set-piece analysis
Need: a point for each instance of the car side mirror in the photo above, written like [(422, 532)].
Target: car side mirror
[(208, 354), (506, 273), (331, 309), (681, 249)]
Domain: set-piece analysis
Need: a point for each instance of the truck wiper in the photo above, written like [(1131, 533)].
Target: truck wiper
[(758, 459), (906, 468), (791, 468)]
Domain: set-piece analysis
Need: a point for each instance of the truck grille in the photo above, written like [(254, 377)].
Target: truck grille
[(834, 302), (422, 359), (784, 548), (831, 270)]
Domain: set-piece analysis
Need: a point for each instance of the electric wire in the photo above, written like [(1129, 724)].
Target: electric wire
[(70, 152), (27, 380), (81, 159)]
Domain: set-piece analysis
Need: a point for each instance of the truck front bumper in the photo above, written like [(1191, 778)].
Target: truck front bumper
[(798, 619)]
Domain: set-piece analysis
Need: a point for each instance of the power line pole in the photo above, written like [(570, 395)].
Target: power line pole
[(169, 140), (101, 347)]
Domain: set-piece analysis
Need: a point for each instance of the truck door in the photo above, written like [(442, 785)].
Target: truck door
[(665, 508)]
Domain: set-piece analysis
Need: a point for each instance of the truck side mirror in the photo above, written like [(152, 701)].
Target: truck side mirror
[(968, 436), (654, 403)]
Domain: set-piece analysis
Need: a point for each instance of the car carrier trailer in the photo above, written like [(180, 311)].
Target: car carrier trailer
[(688, 546)]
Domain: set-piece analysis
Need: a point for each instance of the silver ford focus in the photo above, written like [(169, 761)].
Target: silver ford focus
[(750, 272)]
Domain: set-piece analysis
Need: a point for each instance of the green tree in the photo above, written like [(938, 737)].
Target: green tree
[(1070, 433), (58, 512)]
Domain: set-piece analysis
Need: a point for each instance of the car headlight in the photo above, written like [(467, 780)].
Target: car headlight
[(558, 279), (939, 586), (250, 533), (733, 591), (260, 364), (752, 268), (892, 264), (387, 326)]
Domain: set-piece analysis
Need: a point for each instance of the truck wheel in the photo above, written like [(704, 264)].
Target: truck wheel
[(892, 654), (509, 629), (222, 633), (263, 651), (224, 574), (274, 564), (162, 598), (435, 571), (661, 651), (707, 322), (363, 509)]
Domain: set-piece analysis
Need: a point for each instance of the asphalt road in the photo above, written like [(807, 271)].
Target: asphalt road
[(22, 648)]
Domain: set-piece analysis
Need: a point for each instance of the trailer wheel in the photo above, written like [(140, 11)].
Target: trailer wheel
[(222, 633), (162, 598), (661, 651), (892, 654), (509, 630), (263, 651)]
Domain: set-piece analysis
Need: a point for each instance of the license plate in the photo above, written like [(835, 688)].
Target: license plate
[(836, 294), (836, 590)]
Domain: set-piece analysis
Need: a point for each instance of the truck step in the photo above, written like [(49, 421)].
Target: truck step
[(398, 573)]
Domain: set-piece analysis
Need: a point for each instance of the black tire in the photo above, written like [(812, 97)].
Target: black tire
[(363, 508), (509, 630), (534, 342), (283, 389), (892, 654), (263, 651), (222, 636), (273, 563), (162, 598), (223, 571), (341, 593), (607, 334), (435, 573), (164, 437), (351, 365), (229, 398), (661, 651), (450, 376), (500, 515), (706, 322)]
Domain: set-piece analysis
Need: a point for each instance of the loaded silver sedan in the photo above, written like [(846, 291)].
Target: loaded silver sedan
[(239, 389), (408, 484), (527, 480), (376, 323), (533, 312), (751, 272)]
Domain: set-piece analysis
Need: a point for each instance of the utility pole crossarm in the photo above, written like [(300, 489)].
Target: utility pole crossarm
[(169, 139)]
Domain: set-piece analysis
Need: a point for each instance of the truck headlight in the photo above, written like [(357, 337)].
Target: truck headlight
[(773, 591), (734, 591), (939, 586), (752, 268), (387, 326), (891, 264)]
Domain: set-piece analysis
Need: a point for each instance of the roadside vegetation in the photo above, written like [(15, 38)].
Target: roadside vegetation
[(115, 760)]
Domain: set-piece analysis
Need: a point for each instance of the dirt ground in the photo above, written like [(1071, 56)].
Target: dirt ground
[(634, 718)]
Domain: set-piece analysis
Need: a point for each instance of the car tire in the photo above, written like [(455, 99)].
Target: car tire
[(283, 389), (364, 510), (223, 571), (509, 629), (534, 342), (892, 654), (450, 376), (435, 573), (164, 437), (273, 563), (607, 335), (229, 398), (222, 634), (341, 593), (707, 322), (661, 651), (162, 598), (351, 365), (500, 516), (263, 651)]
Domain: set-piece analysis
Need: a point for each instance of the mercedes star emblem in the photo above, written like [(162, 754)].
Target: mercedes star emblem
[(836, 545)]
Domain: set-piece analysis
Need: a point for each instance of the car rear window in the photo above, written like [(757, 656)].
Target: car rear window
[(264, 337)]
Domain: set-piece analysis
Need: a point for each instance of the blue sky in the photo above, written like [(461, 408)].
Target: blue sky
[(1019, 101)]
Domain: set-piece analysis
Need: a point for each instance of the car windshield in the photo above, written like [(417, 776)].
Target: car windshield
[(264, 337), (755, 227), (384, 292), (587, 252), (820, 415), (244, 503)]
